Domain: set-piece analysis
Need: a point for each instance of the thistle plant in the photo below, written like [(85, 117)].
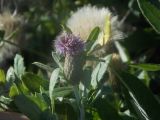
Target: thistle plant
[(76, 90), (72, 48)]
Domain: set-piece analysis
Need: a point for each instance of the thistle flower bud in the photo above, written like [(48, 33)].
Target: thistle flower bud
[(72, 48), (69, 44)]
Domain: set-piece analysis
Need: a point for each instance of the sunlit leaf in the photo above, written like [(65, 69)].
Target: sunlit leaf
[(34, 82), (107, 31), (43, 66), (13, 91), (62, 91), (5, 102), (100, 70), (144, 77), (22, 88), (19, 67), (122, 52), (147, 67), (10, 76), (2, 76), (53, 81), (57, 60)]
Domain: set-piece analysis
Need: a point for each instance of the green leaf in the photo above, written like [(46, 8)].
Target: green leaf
[(92, 38), (100, 70), (86, 77), (151, 13), (122, 52), (28, 107), (131, 105), (34, 82), (77, 95), (2, 77), (94, 34), (66, 28), (57, 60), (10, 76), (93, 58), (4, 102), (22, 88), (53, 81), (79, 104), (144, 77), (105, 110), (13, 91), (19, 67), (126, 117), (39, 101), (43, 66), (62, 91), (147, 67), (141, 96), (47, 115)]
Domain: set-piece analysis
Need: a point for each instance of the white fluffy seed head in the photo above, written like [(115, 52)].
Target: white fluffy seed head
[(85, 19), (9, 23)]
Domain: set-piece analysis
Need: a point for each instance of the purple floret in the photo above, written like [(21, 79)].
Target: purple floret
[(69, 44)]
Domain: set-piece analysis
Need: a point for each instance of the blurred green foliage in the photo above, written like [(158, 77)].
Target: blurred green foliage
[(27, 88)]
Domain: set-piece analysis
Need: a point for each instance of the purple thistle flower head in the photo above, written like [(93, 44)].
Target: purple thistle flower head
[(69, 44)]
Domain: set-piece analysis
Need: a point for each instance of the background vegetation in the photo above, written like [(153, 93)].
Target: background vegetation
[(28, 89)]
